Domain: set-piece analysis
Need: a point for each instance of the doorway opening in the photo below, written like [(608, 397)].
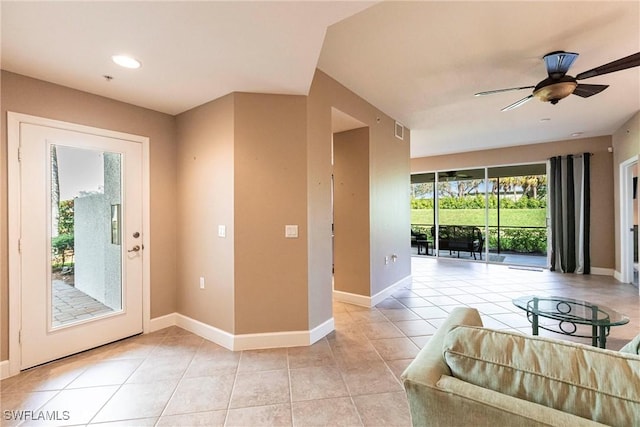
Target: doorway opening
[(629, 221), (350, 207)]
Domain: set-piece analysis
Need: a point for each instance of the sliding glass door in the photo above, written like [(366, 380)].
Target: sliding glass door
[(495, 214)]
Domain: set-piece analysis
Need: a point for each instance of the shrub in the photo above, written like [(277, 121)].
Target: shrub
[(525, 240), (478, 202), (61, 244)]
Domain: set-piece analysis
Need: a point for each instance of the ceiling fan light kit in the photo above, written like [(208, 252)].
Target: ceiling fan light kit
[(559, 85), (552, 91)]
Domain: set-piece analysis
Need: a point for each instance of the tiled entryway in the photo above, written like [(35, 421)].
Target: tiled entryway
[(350, 377)]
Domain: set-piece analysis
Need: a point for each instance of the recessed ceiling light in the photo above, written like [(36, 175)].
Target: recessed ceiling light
[(126, 61), (576, 133)]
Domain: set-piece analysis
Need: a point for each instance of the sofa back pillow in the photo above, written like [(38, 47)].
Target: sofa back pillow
[(600, 385)]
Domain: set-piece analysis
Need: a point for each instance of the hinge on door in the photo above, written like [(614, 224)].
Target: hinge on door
[(20, 336), (19, 246), (20, 153)]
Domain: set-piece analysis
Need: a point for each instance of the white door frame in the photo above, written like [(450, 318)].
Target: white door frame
[(13, 171), (626, 218)]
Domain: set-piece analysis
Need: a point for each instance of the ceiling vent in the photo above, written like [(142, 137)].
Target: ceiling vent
[(399, 130)]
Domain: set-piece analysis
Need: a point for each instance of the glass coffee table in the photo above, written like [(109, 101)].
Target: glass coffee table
[(568, 314)]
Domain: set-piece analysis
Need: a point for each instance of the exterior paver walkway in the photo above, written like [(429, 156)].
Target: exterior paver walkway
[(71, 305)]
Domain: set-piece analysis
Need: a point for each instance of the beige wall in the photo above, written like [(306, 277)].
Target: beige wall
[(389, 195), (271, 289), (626, 144), (351, 212), (35, 97), (319, 218), (602, 201), (205, 181), (212, 166)]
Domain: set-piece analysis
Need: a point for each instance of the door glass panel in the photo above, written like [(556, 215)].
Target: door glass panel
[(86, 254), (461, 214), (517, 216), (423, 213)]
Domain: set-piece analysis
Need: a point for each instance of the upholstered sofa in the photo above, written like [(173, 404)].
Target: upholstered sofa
[(468, 375)]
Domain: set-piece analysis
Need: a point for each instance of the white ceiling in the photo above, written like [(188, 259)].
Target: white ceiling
[(191, 52), (419, 62)]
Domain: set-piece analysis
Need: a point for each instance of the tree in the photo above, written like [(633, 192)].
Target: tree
[(65, 217), (55, 191), (419, 191)]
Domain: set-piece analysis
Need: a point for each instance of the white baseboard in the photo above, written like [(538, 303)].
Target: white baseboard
[(603, 271), (617, 275), (4, 369), (366, 301), (350, 298), (209, 332), (243, 341), (321, 331), (386, 293), (162, 322), (270, 340)]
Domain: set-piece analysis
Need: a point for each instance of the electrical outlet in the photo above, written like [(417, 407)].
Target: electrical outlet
[(386, 260), (202, 283)]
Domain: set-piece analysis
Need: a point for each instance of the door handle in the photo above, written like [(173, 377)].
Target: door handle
[(136, 248)]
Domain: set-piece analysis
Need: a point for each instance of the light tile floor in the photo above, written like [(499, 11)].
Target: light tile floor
[(172, 377)]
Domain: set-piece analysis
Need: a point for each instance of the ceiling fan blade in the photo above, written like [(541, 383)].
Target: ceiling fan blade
[(586, 91), (621, 64), (517, 103), (491, 92), (558, 63)]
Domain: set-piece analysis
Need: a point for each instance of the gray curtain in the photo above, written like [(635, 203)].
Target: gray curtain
[(569, 198)]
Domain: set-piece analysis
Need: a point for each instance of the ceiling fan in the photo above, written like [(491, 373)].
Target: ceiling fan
[(559, 85)]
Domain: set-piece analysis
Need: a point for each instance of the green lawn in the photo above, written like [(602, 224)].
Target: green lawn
[(508, 217)]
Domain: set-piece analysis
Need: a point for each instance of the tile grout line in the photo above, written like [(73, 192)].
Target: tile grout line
[(162, 413), (346, 385), (290, 388), (233, 388), (122, 384)]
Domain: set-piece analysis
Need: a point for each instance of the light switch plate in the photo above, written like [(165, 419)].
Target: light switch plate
[(291, 231), (222, 231)]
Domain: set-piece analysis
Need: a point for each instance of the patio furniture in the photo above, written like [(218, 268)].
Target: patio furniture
[(457, 238), (420, 239)]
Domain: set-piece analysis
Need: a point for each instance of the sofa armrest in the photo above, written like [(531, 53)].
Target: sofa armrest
[(429, 365)]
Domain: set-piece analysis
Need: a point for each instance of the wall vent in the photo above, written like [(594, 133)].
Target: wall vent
[(399, 130)]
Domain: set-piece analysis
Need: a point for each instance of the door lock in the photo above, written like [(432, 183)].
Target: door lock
[(136, 235), (136, 248)]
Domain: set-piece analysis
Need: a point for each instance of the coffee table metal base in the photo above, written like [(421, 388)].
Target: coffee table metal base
[(569, 314)]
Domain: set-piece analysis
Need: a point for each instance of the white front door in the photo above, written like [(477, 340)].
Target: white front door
[(80, 241)]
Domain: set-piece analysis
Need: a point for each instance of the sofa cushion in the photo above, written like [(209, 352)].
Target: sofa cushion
[(632, 347), (597, 384)]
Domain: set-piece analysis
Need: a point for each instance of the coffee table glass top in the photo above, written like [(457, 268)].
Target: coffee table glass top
[(571, 310)]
